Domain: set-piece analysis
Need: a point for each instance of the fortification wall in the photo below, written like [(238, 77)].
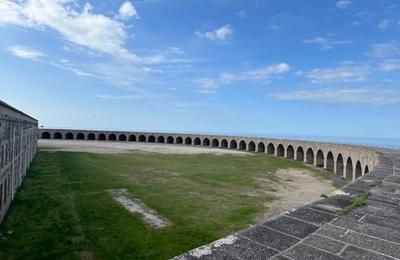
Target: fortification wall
[(349, 161), (18, 144)]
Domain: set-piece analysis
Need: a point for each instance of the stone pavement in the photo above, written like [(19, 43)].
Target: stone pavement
[(315, 231)]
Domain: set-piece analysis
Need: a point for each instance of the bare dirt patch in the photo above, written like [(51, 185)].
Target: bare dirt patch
[(136, 206), (107, 147), (295, 188)]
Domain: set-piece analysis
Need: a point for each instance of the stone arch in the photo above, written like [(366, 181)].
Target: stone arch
[(46, 135), (197, 141), (300, 154), (252, 146), (112, 137), (320, 159), (122, 137), (233, 144), (188, 140), (215, 142), (206, 142), (242, 145), (270, 149), (57, 135), (310, 156), (80, 136), (151, 139), (101, 137), (349, 169), (330, 162), (132, 138), (339, 165), (290, 152), (224, 143), (69, 136), (366, 170), (142, 138), (170, 140), (358, 170), (280, 151), (91, 136), (179, 140), (160, 139), (261, 147)]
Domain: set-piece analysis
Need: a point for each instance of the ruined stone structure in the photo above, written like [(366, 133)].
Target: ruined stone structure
[(18, 144), (349, 161)]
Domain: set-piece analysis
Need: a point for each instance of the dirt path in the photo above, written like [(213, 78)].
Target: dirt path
[(125, 147)]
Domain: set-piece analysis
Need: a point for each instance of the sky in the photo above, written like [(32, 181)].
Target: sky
[(271, 67)]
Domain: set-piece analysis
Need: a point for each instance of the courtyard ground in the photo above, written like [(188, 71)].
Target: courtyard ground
[(65, 210)]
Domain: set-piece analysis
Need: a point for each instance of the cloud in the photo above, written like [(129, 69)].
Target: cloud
[(390, 65), (211, 85), (368, 96), (25, 52), (382, 25), (381, 50), (242, 14), (119, 97), (222, 34), (94, 31), (326, 43), (342, 74), (343, 4), (126, 11)]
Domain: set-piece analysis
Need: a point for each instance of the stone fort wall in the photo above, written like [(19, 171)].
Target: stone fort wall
[(348, 161), (18, 144)]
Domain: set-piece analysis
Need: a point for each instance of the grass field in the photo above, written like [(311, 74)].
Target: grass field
[(63, 209)]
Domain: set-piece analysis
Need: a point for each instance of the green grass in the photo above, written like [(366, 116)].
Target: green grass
[(63, 209), (357, 202)]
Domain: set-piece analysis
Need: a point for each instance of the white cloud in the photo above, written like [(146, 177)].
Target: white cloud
[(221, 34), (326, 43), (381, 50), (382, 25), (94, 31), (342, 74), (242, 14), (126, 11), (370, 96), (390, 65), (343, 4), (211, 85), (25, 52)]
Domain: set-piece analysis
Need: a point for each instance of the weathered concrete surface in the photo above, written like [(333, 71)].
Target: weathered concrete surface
[(315, 231), (18, 144), (347, 161)]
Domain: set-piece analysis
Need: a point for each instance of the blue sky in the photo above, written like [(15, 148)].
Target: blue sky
[(286, 67)]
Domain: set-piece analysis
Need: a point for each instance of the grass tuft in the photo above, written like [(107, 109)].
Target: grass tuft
[(357, 202)]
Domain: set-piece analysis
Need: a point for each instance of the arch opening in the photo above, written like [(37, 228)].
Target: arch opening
[(270, 149), (142, 138), (206, 142), (45, 135), (300, 154), (242, 145), (339, 165), (57, 135), (161, 139), (224, 143), (112, 137), (252, 147), (188, 140), (320, 159), (91, 136), (330, 162), (197, 141), (80, 136), (151, 139), (233, 144), (132, 138), (358, 170), (215, 142), (349, 169), (101, 137), (261, 148), (179, 140), (366, 171), (69, 136), (280, 151), (290, 152), (170, 140), (122, 137), (310, 156)]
